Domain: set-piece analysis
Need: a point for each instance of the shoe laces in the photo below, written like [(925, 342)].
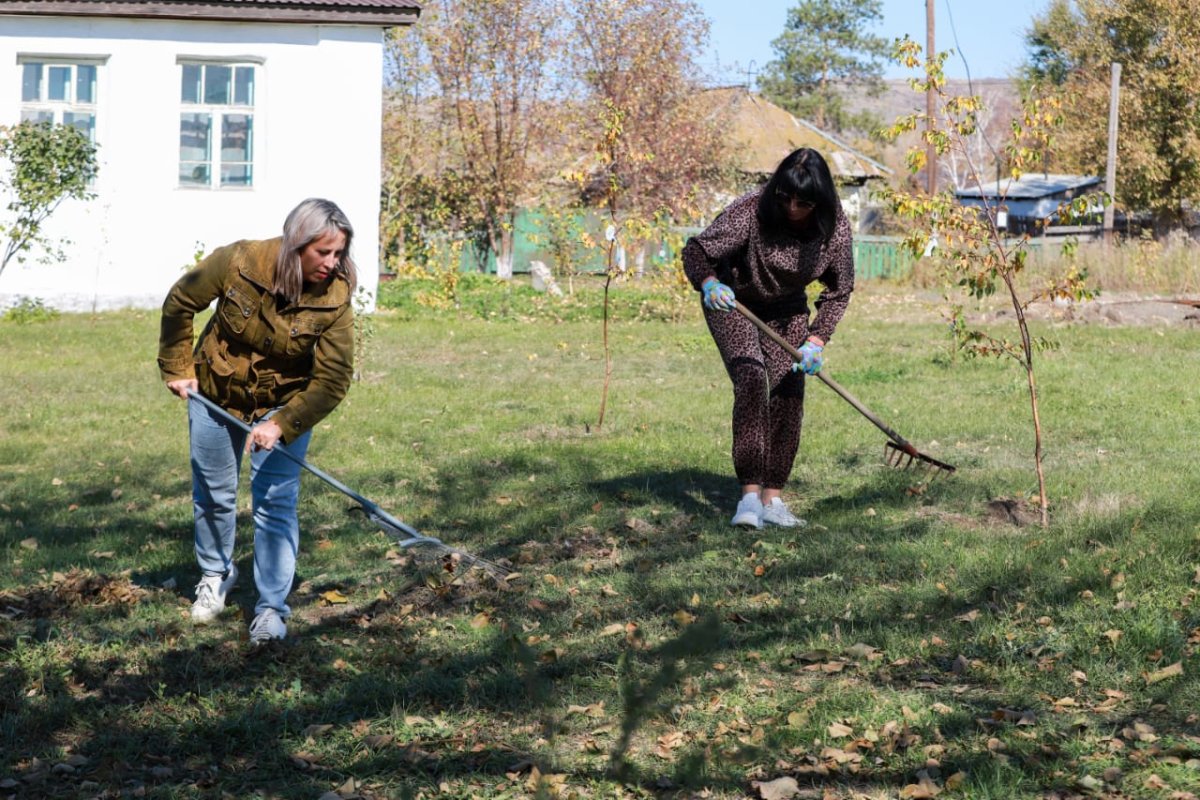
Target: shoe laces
[(206, 592), (260, 628), (779, 509)]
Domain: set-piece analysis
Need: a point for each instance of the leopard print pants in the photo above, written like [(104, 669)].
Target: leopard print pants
[(768, 398)]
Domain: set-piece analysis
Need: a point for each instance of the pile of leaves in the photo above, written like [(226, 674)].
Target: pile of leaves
[(72, 589)]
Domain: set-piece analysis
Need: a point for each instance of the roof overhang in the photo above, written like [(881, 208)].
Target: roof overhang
[(385, 13)]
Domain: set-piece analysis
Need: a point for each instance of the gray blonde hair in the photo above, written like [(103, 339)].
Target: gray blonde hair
[(307, 222)]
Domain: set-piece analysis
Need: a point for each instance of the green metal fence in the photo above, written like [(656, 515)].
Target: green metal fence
[(875, 257), (880, 257)]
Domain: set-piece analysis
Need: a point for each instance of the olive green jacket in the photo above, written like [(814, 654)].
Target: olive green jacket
[(257, 353)]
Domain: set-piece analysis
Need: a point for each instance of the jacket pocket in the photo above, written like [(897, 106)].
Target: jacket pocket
[(237, 306), (214, 371), (304, 332)]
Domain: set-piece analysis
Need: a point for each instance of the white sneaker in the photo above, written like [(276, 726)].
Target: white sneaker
[(749, 512), (776, 513), (211, 592), (266, 626)]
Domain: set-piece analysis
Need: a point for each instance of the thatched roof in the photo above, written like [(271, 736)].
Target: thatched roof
[(761, 134)]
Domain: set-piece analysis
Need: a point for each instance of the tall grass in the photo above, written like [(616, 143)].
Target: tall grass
[(1141, 265)]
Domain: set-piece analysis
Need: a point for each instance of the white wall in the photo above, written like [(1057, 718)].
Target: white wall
[(317, 123)]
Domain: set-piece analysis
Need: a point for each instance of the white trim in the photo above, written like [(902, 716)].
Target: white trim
[(211, 59), (91, 59)]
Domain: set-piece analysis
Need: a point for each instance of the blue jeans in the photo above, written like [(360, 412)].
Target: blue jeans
[(216, 453)]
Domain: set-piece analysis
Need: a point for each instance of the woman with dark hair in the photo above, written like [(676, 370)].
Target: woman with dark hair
[(762, 251), (279, 354)]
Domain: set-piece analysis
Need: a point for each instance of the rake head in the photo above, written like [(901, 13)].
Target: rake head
[(453, 559), (903, 457)]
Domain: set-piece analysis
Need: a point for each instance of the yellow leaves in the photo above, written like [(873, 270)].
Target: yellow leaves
[(595, 710), (333, 597), (683, 618), (480, 620), (1173, 671), (545, 785), (1063, 704)]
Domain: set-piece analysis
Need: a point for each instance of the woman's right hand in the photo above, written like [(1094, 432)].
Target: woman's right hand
[(718, 296), (182, 387)]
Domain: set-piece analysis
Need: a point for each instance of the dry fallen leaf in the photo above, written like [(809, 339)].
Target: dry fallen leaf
[(683, 617), (1173, 671), (779, 789), (334, 597), (839, 731), (315, 731), (923, 789), (595, 710)]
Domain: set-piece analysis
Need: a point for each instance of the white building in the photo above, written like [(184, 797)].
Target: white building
[(213, 118)]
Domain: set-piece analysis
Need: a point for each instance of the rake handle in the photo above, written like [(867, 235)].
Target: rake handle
[(771, 333), (371, 508)]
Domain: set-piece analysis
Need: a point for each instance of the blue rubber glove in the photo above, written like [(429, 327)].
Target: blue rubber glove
[(717, 296), (811, 359)]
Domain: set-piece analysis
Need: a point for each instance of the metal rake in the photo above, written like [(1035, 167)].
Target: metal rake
[(406, 536), (897, 452)]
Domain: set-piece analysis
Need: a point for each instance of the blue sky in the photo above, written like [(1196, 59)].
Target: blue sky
[(990, 34)]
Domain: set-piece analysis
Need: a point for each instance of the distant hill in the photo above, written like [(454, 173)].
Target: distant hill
[(1001, 101), (899, 99)]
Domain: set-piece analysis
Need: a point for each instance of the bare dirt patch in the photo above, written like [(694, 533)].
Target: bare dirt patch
[(1113, 309)]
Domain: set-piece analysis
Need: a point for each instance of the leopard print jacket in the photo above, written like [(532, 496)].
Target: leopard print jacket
[(769, 273)]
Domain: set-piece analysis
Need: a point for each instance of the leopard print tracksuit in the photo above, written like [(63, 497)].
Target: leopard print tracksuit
[(768, 274)]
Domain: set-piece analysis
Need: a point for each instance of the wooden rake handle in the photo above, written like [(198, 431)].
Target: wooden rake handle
[(896, 438)]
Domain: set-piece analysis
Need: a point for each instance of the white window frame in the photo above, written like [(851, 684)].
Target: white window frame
[(61, 110), (221, 119)]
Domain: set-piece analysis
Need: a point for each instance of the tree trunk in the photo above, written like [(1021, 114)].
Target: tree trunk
[(504, 255), (1027, 363)]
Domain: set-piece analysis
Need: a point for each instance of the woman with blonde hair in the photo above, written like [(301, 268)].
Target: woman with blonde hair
[(277, 353)]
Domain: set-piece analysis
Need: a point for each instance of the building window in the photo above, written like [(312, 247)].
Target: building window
[(216, 125), (59, 92)]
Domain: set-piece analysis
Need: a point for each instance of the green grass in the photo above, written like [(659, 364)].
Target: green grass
[(646, 648)]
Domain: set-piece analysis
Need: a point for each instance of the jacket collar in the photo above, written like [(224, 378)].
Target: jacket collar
[(257, 264)]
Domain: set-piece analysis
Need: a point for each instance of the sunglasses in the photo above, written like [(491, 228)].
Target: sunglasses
[(786, 199)]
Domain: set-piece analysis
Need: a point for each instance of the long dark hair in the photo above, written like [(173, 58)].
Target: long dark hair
[(804, 175)]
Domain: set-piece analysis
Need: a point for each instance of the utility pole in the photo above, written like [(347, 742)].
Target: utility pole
[(1110, 169), (930, 104)]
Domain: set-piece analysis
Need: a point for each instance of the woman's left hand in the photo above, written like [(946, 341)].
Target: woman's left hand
[(263, 436), (811, 358)]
